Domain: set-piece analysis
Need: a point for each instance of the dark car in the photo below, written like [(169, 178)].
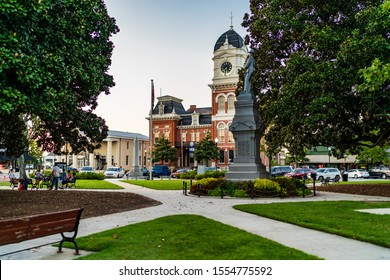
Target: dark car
[(160, 170), (380, 172), (300, 173), (277, 171)]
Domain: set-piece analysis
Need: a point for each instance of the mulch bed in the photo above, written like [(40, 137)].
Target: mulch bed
[(95, 203), (359, 189)]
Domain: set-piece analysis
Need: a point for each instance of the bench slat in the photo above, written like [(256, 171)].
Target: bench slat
[(31, 227), (13, 231)]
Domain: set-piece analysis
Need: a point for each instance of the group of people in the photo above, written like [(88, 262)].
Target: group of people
[(66, 178)]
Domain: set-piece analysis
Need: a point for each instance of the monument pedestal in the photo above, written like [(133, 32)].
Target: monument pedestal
[(247, 131)]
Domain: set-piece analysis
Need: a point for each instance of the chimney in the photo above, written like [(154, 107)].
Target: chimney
[(192, 108)]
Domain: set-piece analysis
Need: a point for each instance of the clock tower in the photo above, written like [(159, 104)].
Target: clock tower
[(229, 56)]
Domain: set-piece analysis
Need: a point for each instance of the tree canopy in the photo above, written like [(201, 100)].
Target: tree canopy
[(206, 150), (315, 70), (54, 59), (164, 151)]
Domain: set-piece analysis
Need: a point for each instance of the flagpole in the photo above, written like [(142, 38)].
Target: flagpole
[(151, 131)]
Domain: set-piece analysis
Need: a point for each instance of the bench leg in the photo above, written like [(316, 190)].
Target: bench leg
[(68, 239)]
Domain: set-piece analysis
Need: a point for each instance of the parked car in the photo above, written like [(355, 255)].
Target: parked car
[(331, 173), (85, 169), (300, 173), (380, 171), (212, 168), (114, 172), (280, 170), (160, 170), (179, 171), (358, 173)]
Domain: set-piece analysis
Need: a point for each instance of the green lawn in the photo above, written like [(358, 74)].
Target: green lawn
[(158, 184), (96, 184), (86, 184), (337, 217), (365, 182), (184, 237)]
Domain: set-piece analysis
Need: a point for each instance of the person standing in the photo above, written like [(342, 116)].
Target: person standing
[(56, 176)]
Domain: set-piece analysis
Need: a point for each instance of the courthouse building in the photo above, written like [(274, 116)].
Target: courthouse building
[(185, 127)]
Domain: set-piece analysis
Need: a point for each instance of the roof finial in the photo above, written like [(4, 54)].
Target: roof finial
[(231, 20)]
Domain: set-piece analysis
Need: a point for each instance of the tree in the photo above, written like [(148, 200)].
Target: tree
[(375, 155), (164, 151), (54, 58), (309, 57), (206, 150)]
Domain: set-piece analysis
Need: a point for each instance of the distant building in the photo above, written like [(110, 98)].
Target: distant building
[(183, 127), (118, 149)]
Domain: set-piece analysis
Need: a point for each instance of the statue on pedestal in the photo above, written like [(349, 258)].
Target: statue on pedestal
[(247, 131)]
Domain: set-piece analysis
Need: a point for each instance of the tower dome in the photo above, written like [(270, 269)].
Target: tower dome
[(232, 37)]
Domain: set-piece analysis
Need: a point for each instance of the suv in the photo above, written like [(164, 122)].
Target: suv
[(280, 170), (160, 170), (380, 171), (331, 173)]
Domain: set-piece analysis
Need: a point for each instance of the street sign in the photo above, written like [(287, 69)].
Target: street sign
[(191, 149)]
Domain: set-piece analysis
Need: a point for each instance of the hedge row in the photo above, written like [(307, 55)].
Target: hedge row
[(280, 186)]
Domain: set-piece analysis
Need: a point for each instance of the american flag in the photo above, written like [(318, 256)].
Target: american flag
[(152, 95)]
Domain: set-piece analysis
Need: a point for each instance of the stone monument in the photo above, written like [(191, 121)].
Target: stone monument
[(247, 131)]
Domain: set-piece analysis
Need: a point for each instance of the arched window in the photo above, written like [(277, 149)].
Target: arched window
[(230, 135), (221, 105), (221, 132), (231, 102)]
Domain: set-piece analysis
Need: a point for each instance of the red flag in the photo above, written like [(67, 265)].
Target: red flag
[(152, 96)]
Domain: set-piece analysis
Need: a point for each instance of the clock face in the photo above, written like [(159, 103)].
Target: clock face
[(226, 67)]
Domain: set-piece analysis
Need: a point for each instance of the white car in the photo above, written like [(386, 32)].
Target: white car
[(358, 173), (86, 169), (114, 172), (331, 173)]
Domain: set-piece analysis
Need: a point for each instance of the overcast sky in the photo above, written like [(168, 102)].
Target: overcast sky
[(169, 41)]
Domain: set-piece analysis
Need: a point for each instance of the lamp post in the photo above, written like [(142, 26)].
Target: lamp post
[(181, 146), (226, 156), (216, 143), (329, 150)]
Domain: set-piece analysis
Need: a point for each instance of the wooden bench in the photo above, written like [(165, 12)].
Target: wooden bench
[(16, 230)]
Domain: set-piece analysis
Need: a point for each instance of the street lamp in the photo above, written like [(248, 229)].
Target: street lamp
[(329, 150), (181, 146), (226, 156)]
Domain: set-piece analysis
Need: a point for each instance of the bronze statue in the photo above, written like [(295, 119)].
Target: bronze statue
[(250, 68)]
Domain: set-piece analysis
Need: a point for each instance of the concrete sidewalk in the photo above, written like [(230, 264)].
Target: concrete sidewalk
[(327, 246)]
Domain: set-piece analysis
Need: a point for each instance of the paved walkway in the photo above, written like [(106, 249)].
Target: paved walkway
[(327, 246)]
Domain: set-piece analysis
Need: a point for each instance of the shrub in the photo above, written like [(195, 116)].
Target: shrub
[(208, 184), (90, 176), (187, 175), (239, 193), (288, 185), (266, 185), (211, 183), (215, 192)]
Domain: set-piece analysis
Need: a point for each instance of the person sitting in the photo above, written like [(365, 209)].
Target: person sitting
[(72, 180), (66, 180), (38, 178)]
